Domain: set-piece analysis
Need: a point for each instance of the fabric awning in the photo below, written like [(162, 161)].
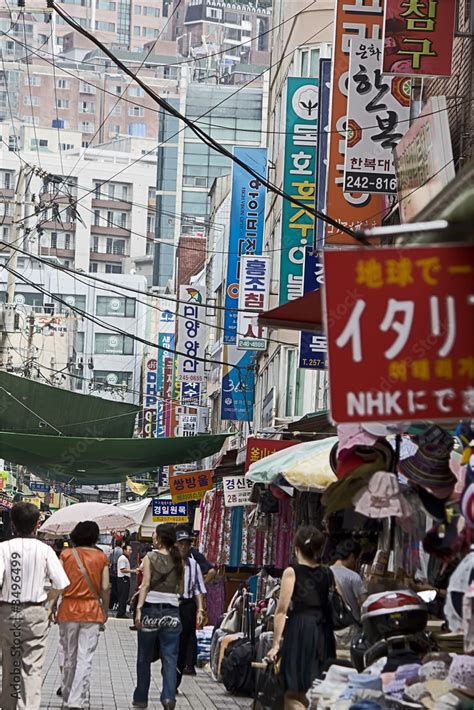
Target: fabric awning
[(304, 313), (31, 407), (94, 460)]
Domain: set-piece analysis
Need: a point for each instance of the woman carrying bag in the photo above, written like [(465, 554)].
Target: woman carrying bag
[(157, 616), (81, 611), (304, 614)]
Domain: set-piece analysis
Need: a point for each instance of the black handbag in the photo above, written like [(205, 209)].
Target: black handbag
[(270, 690), (341, 615)]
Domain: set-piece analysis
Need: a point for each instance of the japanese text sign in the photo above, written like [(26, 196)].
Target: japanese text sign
[(191, 333), (258, 449), (165, 511), (401, 348), (299, 181), (354, 18), (247, 218), (313, 346), (424, 159), (378, 113), (418, 37), (237, 491), (323, 146), (254, 292), (190, 486)]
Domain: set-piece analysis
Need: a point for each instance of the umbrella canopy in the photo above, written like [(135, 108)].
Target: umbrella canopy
[(107, 517), (305, 466)]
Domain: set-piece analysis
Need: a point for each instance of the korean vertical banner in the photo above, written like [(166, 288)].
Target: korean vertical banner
[(238, 384), (354, 18), (313, 346), (166, 339), (323, 146), (254, 295), (299, 175), (150, 399), (418, 37), (247, 218), (378, 113)]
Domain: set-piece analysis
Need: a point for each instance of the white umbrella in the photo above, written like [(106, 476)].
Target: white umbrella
[(107, 517)]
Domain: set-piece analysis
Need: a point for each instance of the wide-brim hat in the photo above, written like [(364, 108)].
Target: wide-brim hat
[(429, 468), (350, 435), (432, 505), (381, 497)]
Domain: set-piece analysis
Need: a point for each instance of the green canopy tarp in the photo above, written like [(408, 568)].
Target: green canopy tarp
[(93, 460), (30, 407)]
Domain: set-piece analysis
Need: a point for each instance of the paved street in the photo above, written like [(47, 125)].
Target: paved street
[(113, 677)]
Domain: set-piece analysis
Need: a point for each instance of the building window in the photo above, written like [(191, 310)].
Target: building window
[(116, 306), (137, 129), (113, 344), (113, 378), (67, 241), (113, 268), (94, 267), (136, 91), (62, 103), (213, 13), (294, 402), (110, 219), (150, 32), (54, 240), (31, 120), (118, 90), (96, 218), (71, 301), (136, 30), (151, 11), (309, 62), (117, 110), (62, 84), (137, 10), (105, 26), (86, 88), (87, 126), (86, 107), (32, 80), (31, 100), (123, 220), (95, 244), (38, 143), (137, 111)]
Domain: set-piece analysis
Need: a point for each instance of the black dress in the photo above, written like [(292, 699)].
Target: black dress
[(308, 638)]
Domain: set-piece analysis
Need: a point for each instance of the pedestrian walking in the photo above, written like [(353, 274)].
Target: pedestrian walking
[(191, 602), (82, 610), (27, 567), (113, 559), (157, 616), (124, 573), (303, 619), (350, 586)]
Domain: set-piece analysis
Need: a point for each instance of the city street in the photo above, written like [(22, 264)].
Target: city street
[(113, 677)]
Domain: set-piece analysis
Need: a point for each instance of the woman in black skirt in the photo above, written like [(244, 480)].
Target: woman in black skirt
[(303, 614)]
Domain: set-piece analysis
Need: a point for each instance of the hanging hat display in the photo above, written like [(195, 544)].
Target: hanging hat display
[(429, 468), (467, 505), (350, 435), (381, 497), (434, 507)]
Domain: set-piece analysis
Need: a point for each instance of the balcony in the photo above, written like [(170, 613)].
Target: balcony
[(105, 230), (104, 256), (60, 253), (111, 204)]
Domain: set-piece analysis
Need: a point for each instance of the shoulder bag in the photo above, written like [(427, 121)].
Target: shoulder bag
[(341, 615), (89, 582)]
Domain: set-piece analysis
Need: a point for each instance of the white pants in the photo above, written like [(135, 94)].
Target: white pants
[(79, 641), (23, 642)]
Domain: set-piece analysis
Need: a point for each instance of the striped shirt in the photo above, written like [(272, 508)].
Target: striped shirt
[(27, 567), (193, 580)]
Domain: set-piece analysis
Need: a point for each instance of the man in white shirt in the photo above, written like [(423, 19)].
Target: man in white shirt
[(124, 573), (27, 566), (191, 602)]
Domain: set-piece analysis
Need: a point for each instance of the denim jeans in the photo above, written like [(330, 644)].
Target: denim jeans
[(164, 627)]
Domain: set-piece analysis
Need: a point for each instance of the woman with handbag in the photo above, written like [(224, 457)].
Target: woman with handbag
[(82, 610), (304, 615), (157, 616)]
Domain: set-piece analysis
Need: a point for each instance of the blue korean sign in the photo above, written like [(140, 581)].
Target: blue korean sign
[(40, 487), (299, 181), (323, 145), (238, 385), (313, 346), (190, 393), (165, 511), (247, 218), (165, 340)]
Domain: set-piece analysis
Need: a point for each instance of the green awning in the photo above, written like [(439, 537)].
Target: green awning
[(30, 407), (94, 460)]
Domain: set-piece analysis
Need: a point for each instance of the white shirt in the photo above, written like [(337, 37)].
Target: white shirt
[(193, 580), (27, 566), (123, 563)]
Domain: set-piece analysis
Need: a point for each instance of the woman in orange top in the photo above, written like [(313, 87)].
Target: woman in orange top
[(81, 611)]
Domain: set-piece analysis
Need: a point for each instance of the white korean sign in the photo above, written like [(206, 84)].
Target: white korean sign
[(191, 333), (254, 293), (188, 424), (378, 113), (237, 491)]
